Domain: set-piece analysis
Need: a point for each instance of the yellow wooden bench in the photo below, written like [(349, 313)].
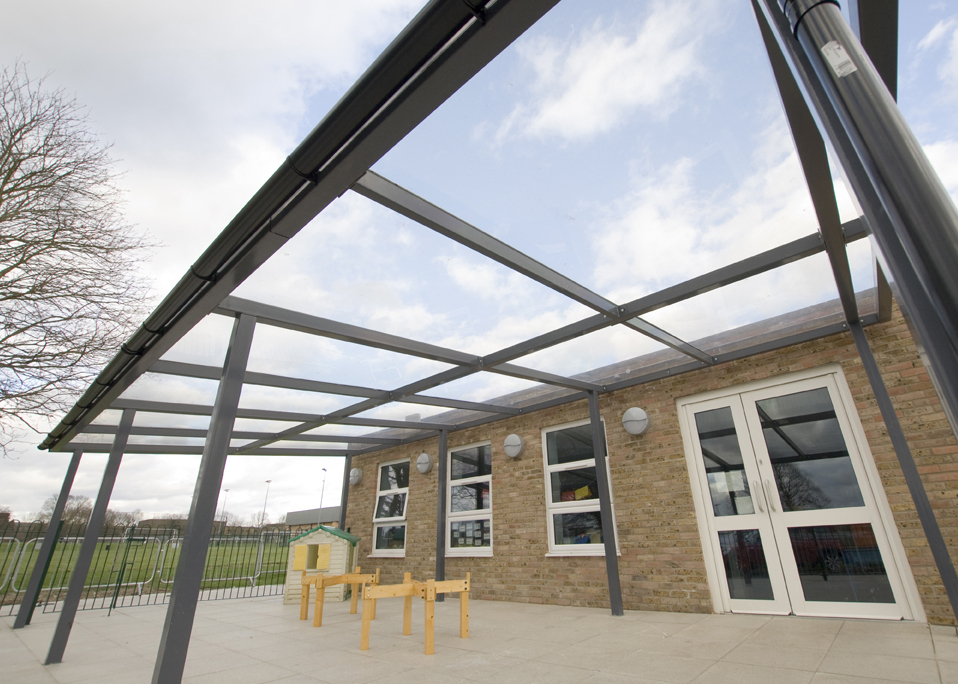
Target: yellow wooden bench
[(424, 590), (356, 579)]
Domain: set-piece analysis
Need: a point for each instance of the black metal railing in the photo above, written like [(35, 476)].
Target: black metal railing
[(135, 565)]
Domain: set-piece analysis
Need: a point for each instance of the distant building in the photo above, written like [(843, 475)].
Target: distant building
[(301, 521)]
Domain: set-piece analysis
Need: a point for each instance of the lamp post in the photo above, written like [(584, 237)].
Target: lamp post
[(223, 510), (321, 493), (262, 522)]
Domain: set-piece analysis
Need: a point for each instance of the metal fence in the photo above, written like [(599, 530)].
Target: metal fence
[(135, 565)]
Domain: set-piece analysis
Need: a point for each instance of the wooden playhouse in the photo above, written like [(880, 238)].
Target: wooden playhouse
[(325, 550)]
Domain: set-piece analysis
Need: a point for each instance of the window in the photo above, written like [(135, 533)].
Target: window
[(572, 491), (389, 518), (469, 501)]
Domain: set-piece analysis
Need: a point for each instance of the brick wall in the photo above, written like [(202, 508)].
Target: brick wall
[(661, 564)]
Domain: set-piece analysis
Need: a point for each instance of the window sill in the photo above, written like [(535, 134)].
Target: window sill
[(387, 555), (473, 554), (578, 553)]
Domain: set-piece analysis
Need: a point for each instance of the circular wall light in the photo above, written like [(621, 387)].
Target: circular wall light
[(635, 421), (355, 476), (513, 446), (424, 463)]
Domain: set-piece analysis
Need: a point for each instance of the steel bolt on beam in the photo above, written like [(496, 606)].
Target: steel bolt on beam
[(61, 634)]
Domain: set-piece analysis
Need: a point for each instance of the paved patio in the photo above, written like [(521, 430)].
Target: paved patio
[(252, 641)]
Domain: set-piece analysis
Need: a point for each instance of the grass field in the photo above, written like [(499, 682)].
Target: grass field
[(147, 564)]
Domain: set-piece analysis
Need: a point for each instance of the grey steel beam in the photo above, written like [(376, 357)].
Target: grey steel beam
[(542, 377), (442, 478), (441, 49), (605, 505), (939, 549), (210, 372), (344, 495), (875, 22), (178, 625), (912, 218), (883, 297), (400, 200), (668, 339), (278, 317), (183, 450), (61, 633), (373, 186), (814, 161), (42, 563)]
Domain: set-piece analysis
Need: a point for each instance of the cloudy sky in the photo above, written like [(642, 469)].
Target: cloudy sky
[(628, 145)]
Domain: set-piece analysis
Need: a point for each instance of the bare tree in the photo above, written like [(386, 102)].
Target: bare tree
[(77, 509), (117, 518), (69, 291)]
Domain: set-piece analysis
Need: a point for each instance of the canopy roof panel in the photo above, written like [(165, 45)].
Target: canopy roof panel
[(615, 197)]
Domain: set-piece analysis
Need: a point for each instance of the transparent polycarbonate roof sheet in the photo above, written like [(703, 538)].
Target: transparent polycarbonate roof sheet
[(173, 389), (351, 430), (629, 146), (279, 399), (170, 420), (491, 387), (108, 417), (588, 352), (775, 293), (256, 425), (363, 264), (399, 410), (298, 355), (205, 344), (178, 441)]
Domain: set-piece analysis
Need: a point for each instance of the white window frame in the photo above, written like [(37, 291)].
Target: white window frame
[(394, 521), (451, 517), (586, 506)]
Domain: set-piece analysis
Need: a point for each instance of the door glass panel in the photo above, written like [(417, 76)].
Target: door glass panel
[(805, 444), (578, 528), (724, 468), (745, 566), (840, 563), (470, 533), (470, 497), (575, 485)]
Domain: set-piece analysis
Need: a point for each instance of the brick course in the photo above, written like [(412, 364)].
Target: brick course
[(661, 564)]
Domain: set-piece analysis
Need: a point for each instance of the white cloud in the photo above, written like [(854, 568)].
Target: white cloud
[(666, 230), (589, 84), (945, 32), (943, 155)]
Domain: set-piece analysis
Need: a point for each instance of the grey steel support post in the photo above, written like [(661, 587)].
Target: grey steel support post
[(442, 481), (912, 218), (25, 614), (344, 499), (605, 505), (88, 548), (175, 641), (939, 550)]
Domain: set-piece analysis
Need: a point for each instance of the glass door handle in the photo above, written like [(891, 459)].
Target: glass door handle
[(771, 504), (758, 496)]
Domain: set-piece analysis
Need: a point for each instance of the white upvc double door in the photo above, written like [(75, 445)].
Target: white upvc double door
[(793, 523)]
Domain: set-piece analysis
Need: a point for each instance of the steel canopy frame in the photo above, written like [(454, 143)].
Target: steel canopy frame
[(441, 49)]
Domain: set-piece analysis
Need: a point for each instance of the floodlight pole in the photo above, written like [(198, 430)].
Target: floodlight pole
[(29, 602), (262, 521), (175, 640), (88, 548)]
